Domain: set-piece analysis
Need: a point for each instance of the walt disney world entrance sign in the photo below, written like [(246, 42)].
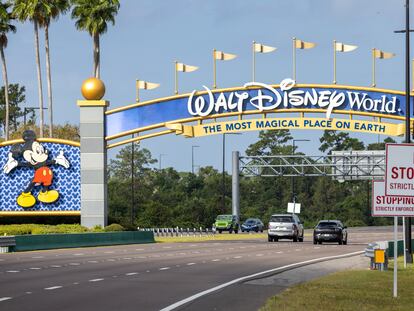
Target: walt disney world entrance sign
[(280, 106)]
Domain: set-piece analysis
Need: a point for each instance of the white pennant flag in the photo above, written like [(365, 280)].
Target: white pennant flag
[(186, 68), (261, 48)]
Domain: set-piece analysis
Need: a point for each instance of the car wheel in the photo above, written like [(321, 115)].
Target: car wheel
[(261, 231), (314, 241), (301, 239), (346, 241), (275, 239), (257, 230), (295, 238), (220, 231), (320, 242), (236, 231), (269, 239)]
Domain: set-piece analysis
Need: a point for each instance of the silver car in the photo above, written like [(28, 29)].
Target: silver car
[(285, 226)]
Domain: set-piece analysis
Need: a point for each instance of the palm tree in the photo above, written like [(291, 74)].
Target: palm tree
[(50, 10), (5, 27), (31, 10), (93, 16)]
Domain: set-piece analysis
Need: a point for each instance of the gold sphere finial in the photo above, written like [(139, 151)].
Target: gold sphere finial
[(93, 89)]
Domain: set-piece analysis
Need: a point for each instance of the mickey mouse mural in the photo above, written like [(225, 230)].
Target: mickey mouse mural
[(33, 154)]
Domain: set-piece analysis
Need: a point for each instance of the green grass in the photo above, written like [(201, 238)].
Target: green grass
[(216, 237), (361, 290)]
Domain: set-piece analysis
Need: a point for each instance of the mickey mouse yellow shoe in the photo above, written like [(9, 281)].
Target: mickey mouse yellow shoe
[(48, 196), (26, 200)]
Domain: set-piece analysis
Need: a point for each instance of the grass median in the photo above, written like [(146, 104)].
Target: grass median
[(216, 237), (349, 290)]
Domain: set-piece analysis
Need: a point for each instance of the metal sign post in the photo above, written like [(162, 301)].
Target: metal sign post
[(395, 255)]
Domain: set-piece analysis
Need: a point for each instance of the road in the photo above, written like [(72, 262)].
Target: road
[(151, 276)]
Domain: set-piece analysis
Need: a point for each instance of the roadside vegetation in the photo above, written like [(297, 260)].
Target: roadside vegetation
[(348, 291), (24, 229)]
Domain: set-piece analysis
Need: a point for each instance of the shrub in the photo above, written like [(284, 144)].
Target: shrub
[(114, 227), (16, 229)]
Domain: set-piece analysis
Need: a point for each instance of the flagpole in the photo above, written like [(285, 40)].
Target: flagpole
[(214, 70), (254, 63), (175, 78), (334, 51), (294, 58), (373, 68), (137, 87), (413, 76)]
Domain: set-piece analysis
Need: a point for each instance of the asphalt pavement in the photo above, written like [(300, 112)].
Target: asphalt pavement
[(157, 276)]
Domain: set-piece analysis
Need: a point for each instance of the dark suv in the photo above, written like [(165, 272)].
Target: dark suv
[(330, 231)]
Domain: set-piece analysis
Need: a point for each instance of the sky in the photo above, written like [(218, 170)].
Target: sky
[(150, 34)]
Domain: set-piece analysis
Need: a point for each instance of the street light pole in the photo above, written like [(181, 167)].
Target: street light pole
[(192, 157), (132, 181), (223, 173), (160, 159)]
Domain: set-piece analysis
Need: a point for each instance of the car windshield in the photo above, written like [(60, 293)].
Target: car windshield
[(250, 221), (326, 224), (224, 217), (288, 219)]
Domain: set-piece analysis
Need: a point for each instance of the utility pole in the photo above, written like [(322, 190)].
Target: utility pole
[(407, 31), (293, 178)]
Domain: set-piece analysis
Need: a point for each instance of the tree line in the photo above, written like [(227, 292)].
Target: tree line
[(168, 198), (92, 16)]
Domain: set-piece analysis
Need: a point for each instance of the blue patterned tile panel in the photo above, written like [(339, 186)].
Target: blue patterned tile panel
[(65, 181)]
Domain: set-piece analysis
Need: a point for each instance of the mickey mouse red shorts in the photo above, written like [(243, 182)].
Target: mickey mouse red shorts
[(43, 175)]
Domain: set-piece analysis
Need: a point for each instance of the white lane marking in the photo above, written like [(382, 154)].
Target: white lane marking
[(298, 249), (279, 252), (56, 266), (139, 249), (216, 260), (191, 263), (216, 288), (5, 298), (316, 247), (78, 254), (35, 268), (148, 271), (109, 252), (96, 280), (110, 259), (12, 271), (28, 293), (37, 257), (165, 268), (131, 273), (167, 247), (127, 258), (237, 257), (75, 283), (259, 255), (53, 287), (92, 261), (74, 264)]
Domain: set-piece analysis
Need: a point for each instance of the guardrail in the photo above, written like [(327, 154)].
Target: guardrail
[(180, 232), (6, 242)]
